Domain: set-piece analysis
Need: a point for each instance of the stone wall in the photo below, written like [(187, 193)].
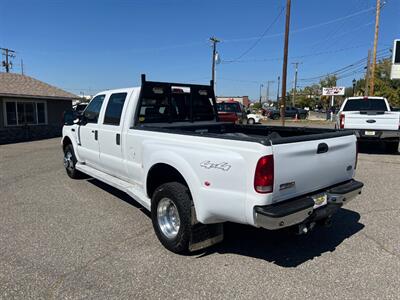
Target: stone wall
[(28, 133)]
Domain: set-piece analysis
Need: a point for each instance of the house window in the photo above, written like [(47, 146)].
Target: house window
[(24, 113)]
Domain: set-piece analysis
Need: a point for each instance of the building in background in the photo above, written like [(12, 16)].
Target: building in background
[(241, 99), (30, 109)]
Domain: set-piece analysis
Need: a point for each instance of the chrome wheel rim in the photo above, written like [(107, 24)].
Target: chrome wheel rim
[(68, 162), (168, 218)]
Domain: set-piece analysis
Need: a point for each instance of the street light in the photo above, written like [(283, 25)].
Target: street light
[(354, 86), (261, 86)]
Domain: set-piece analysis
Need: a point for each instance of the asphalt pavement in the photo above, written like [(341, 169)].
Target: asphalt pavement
[(71, 239)]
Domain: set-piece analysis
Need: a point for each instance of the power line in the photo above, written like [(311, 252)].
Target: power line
[(9, 54), (346, 68), (305, 28), (301, 56), (337, 29), (262, 35)]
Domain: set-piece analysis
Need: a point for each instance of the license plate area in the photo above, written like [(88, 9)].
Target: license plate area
[(369, 132), (320, 200)]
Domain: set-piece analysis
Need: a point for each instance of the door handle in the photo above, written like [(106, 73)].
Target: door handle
[(118, 139), (322, 148), (95, 134)]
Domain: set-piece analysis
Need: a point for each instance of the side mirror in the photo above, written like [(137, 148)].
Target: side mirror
[(69, 117)]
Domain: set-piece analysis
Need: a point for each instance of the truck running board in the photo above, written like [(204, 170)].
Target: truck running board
[(131, 189)]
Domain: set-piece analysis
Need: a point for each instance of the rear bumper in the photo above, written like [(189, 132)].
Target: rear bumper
[(300, 209), (362, 134)]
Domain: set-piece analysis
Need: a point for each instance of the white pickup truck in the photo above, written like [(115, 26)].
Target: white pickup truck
[(162, 144), (372, 120)]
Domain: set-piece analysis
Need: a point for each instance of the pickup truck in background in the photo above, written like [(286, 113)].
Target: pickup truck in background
[(290, 112), (372, 120), (164, 145)]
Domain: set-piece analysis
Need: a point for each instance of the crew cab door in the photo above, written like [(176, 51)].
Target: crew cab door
[(88, 146), (110, 135)]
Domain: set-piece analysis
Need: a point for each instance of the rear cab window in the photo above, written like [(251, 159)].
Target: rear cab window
[(165, 104), (367, 104)]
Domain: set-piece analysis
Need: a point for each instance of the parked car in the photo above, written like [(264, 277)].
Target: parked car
[(372, 120), (227, 110), (79, 108), (253, 118), (228, 117), (290, 112), (169, 152)]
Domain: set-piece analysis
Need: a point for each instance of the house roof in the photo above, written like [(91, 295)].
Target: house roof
[(17, 85)]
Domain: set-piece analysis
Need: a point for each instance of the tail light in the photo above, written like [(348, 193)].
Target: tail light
[(264, 175), (341, 121)]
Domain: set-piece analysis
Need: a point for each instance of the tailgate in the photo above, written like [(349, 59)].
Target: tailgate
[(300, 170), (386, 121)]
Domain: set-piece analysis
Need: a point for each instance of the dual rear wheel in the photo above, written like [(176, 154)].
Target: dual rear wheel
[(171, 209)]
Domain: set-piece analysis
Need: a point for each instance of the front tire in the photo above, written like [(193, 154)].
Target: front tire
[(275, 117), (171, 207), (70, 162)]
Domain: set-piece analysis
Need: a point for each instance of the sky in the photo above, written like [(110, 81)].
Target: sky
[(88, 46)]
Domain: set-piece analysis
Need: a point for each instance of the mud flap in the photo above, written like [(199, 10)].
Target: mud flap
[(204, 235)]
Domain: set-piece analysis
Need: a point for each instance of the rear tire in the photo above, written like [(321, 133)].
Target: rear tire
[(70, 163), (171, 207), (275, 117), (303, 116), (392, 147)]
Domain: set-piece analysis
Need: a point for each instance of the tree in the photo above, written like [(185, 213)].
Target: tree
[(384, 86), (328, 81)]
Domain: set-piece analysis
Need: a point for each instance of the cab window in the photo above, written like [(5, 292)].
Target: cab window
[(92, 111), (114, 109)]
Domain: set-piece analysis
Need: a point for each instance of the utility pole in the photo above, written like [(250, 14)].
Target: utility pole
[(22, 66), (285, 59), (8, 53), (277, 94), (296, 66), (214, 41), (378, 13), (268, 83), (366, 91), (261, 86)]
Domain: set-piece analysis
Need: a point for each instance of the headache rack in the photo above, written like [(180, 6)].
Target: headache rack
[(167, 89)]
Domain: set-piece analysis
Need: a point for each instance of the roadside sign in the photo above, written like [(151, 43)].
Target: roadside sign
[(395, 72), (333, 91)]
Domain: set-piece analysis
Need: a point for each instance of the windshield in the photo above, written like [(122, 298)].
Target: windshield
[(365, 104), (229, 107)]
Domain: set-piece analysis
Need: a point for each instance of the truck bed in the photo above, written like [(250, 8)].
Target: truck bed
[(263, 134)]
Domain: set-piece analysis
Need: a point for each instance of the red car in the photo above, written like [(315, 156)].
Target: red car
[(231, 111)]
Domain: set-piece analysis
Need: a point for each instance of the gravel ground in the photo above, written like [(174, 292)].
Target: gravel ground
[(61, 238)]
